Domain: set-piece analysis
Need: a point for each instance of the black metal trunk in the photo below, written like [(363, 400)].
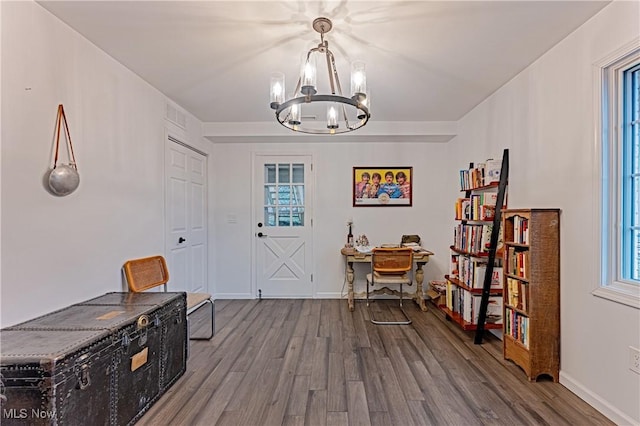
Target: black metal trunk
[(103, 361)]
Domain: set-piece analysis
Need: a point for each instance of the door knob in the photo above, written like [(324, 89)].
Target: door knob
[(181, 240), (260, 234)]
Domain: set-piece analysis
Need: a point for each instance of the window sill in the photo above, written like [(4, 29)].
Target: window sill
[(624, 294)]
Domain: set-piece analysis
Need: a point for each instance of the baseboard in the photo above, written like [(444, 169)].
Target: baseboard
[(596, 401), (233, 296), (330, 295)]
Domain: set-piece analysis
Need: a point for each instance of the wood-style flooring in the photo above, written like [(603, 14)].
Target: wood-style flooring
[(312, 362)]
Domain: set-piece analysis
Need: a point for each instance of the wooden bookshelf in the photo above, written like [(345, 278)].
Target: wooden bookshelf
[(531, 290), (471, 300)]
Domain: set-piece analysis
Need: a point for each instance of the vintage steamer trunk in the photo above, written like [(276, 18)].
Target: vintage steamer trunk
[(55, 376), (119, 354)]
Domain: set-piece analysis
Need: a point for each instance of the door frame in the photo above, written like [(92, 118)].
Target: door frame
[(254, 219), (169, 138)]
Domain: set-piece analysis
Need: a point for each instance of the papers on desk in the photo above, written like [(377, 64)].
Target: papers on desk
[(414, 246), (364, 249), (368, 249)]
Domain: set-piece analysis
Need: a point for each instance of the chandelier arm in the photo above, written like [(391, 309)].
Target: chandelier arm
[(331, 63), (333, 76), (333, 72)]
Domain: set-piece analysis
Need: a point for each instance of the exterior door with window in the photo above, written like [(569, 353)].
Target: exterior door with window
[(283, 226)]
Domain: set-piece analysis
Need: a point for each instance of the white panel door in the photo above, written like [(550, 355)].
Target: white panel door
[(283, 226), (186, 213)]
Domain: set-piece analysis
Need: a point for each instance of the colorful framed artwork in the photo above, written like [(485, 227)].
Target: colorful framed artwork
[(382, 186)]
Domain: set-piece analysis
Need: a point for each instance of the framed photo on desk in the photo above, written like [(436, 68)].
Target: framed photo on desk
[(382, 186)]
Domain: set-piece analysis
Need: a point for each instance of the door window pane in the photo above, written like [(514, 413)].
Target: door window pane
[(270, 195), (298, 173), (269, 216), (284, 216), (284, 173), (270, 173), (298, 195), (284, 195), (297, 216)]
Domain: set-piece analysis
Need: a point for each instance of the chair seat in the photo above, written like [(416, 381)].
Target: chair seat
[(194, 300), (389, 279)]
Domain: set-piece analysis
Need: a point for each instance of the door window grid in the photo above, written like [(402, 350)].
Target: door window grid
[(284, 194)]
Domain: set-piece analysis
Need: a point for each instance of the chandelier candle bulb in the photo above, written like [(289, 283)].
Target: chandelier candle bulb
[(295, 115), (358, 80), (332, 117), (309, 76), (366, 102), (277, 89)]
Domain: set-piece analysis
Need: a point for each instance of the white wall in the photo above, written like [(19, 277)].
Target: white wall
[(333, 164), (56, 251), (61, 250), (545, 116)]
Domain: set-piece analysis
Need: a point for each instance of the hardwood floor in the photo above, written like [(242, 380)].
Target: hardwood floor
[(312, 362)]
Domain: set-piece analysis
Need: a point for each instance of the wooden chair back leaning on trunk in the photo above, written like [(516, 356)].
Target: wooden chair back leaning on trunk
[(149, 272), (390, 266)]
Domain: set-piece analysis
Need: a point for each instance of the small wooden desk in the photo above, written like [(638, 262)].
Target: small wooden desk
[(352, 256)]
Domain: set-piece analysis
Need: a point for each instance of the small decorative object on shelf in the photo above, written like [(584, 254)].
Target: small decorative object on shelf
[(531, 335)]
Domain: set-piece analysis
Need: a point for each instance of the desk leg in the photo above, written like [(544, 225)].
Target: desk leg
[(419, 297), (350, 285)]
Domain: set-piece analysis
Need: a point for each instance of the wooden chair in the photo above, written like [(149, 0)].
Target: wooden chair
[(149, 272), (390, 266), (413, 238)]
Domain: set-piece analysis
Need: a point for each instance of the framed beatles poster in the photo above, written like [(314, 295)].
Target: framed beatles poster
[(382, 186)]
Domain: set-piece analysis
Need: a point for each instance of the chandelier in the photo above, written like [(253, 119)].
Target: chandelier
[(309, 111)]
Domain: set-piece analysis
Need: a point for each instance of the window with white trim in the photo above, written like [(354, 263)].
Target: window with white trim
[(620, 212)]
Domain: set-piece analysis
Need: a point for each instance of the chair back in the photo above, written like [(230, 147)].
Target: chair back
[(145, 273), (394, 260), (410, 239)]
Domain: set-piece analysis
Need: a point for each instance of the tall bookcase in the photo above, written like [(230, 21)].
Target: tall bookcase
[(474, 283), (531, 334)]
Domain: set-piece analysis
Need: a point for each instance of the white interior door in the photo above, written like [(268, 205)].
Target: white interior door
[(186, 213), (283, 226)]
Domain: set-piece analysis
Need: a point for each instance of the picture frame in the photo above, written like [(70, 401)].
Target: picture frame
[(382, 186)]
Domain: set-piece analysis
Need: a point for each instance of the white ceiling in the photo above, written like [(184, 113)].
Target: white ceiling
[(426, 60)]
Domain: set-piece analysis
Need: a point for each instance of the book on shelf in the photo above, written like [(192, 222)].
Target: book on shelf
[(520, 230), (517, 326), (459, 208), (453, 266), (482, 208), (478, 275), (496, 277), (517, 294), (479, 272), (492, 171), (494, 309), (518, 262), (486, 212)]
